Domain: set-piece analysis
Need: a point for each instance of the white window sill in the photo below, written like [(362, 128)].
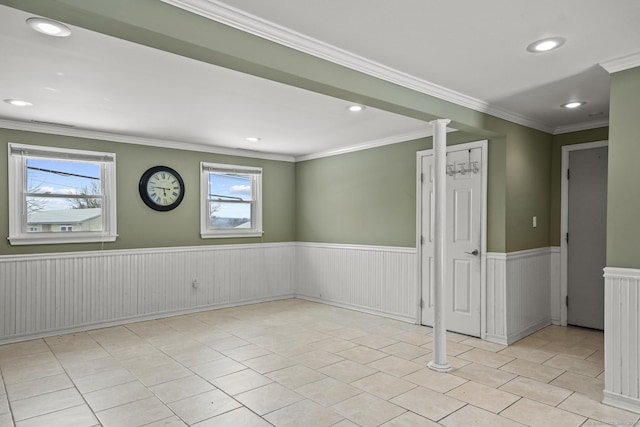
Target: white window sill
[(58, 239), (231, 234)]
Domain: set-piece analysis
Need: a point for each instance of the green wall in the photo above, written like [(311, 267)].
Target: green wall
[(369, 197), (581, 137), (527, 188), (623, 204), (497, 196), (142, 227), (366, 197)]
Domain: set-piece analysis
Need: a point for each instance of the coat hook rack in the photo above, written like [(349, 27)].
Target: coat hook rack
[(463, 168)]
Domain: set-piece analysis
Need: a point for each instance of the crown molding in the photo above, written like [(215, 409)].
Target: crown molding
[(236, 18), (371, 144), (63, 130), (510, 116), (594, 124), (621, 64)]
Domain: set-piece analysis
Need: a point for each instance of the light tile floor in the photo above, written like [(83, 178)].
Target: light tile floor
[(298, 363)]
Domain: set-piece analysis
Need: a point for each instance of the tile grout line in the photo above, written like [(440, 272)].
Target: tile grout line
[(215, 387), (165, 324), (6, 393), (69, 376)]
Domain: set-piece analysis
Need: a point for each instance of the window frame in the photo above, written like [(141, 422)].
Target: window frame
[(206, 232), (17, 171)]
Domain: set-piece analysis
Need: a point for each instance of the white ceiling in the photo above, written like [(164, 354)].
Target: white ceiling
[(468, 51), (463, 50), (94, 82)]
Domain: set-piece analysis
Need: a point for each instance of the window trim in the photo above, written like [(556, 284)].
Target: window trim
[(17, 194), (256, 218)]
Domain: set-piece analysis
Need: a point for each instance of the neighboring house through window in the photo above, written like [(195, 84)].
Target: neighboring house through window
[(59, 195), (231, 204)]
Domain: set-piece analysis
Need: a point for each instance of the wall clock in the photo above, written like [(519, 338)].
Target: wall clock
[(161, 188)]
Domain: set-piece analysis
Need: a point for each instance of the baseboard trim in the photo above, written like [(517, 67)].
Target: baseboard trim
[(132, 319), (359, 308), (623, 402), (512, 338), (497, 339), (375, 248)]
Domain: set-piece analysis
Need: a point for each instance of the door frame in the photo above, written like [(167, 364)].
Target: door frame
[(484, 146), (564, 221)]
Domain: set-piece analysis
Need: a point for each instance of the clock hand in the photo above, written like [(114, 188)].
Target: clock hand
[(164, 190)]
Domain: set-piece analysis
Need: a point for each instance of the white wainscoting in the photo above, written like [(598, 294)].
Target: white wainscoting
[(555, 281), (622, 338), (374, 279), (518, 294), (496, 298), (46, 294)]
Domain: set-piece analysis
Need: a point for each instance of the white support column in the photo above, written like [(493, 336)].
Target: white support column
[(439, 362)]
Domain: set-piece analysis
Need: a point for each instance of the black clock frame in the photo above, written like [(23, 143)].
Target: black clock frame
[(142, 188)]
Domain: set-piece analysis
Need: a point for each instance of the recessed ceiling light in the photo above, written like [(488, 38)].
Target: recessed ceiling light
[(49, 27), (545, 45), (18, 102), (573, 104), (252, 139), (356, 108)]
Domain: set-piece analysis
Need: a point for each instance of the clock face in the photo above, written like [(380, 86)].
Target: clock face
[(161, 188)]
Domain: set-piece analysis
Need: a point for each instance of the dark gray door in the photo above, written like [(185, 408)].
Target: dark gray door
[(586, 250)]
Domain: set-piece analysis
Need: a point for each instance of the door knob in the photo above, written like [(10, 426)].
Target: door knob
[(474, 252)]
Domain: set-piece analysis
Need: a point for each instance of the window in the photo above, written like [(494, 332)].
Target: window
[(61, 195), (231, 203)]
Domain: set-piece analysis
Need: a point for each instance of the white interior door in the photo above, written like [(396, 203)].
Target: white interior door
[(463, 241), (587, 242)]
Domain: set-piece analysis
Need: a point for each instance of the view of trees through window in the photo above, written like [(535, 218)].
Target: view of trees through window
[(63, 195)]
